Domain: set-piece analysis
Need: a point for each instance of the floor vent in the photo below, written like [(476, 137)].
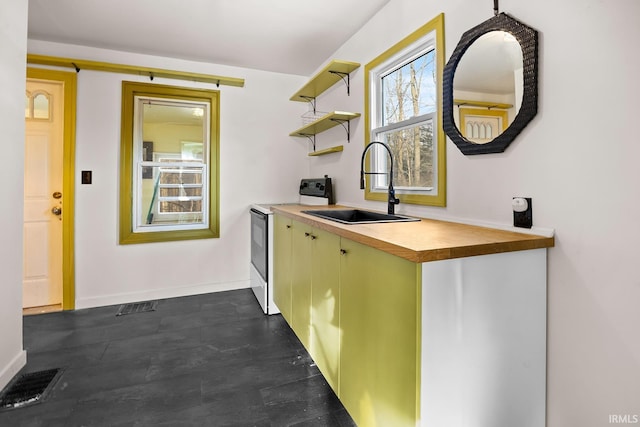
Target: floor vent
[(29, 389), (137, 307)]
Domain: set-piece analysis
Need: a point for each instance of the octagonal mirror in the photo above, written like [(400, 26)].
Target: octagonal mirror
[(490, 85)]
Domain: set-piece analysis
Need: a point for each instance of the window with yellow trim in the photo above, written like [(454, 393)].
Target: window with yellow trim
[(403, 110), (169, 163)]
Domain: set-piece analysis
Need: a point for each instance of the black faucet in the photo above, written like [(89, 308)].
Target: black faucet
[(392, 201)]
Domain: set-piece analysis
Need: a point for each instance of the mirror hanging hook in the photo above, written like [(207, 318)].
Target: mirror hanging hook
[(151, 76), (76, 67), (495, 8)]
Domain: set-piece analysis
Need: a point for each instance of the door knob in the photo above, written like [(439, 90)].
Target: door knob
[(56, 210)]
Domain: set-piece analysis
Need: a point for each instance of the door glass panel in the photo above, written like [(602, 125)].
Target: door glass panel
[(41, 106)]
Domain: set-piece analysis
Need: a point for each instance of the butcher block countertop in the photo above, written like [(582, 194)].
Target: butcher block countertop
[(423, 241)]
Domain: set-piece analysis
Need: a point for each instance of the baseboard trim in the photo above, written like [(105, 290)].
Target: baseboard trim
[(162, 293), (10, 371)]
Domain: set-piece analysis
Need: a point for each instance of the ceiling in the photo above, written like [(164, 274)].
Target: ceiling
[(288, 36)]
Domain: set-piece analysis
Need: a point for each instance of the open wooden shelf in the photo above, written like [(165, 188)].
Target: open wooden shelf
[(325, 122), (325, 78), (335, 71), (335, 149)]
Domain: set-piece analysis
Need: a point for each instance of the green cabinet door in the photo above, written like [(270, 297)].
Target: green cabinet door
[(325, 304), (380, 326), (301, 282), (282, 265)]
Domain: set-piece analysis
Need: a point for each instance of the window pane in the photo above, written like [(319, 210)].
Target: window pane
[(182, 206), (41, 106), (410, 90), (180, 192), (173, 128), (174, 195), (413, 153), (181, 175)]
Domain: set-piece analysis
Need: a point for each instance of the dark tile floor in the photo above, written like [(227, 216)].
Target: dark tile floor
[(206, 360)]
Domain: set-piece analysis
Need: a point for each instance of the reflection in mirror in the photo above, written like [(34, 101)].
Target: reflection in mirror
[(481, 126), (489, 77), (172, 170), (490, 85)]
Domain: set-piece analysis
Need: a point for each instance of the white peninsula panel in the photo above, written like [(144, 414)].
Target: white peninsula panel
[(484, 340)]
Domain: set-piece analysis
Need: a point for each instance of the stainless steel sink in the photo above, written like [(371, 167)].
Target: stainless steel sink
[(358, 216)]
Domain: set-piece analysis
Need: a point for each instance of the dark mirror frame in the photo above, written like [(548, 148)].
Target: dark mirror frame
[(528, 39)]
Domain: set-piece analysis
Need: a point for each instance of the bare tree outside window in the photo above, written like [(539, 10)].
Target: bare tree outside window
[(409, 102)]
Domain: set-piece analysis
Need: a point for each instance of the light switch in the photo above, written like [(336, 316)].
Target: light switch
[(86, 177)]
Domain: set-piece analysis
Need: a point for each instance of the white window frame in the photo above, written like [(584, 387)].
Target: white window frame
[(379, 158), (139, 223)]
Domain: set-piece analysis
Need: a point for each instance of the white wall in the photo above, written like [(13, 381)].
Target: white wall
[(578, 160), (258, 163), (13, 33)]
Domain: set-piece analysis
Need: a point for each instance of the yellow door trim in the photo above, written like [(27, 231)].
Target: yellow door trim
[(68, 177)]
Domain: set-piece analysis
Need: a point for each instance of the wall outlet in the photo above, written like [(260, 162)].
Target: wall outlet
[(522, 212)]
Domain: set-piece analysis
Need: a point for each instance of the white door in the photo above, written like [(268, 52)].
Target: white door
[(43, 198)]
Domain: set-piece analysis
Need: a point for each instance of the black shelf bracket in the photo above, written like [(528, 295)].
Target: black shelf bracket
[(312, 138), (345, 78), (311, 100), (347, 128)]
